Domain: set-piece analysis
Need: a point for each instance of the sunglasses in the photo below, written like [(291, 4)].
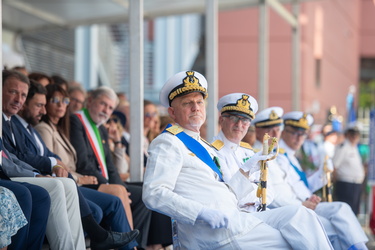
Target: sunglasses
[(235, 119), (57, 100), (154, 114), (115, 120)]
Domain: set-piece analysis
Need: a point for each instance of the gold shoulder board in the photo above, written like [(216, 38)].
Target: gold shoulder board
[(245, 145), (174, 130), (281, 151), (217, 145)]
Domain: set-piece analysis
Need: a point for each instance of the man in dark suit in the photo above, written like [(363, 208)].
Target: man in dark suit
[(107, 208), (35, 204), (90, 139), (33, 151), (15, 92)]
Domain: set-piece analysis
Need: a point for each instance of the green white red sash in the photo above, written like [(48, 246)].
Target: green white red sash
[(95, 139)]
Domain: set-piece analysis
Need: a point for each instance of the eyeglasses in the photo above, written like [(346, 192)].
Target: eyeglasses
[(57, 100), (296, 134), (151, 114), (115, 120), (235, 119), (76, 100)]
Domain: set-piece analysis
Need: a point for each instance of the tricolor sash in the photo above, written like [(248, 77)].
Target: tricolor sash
[(195, 147), (95, 139)]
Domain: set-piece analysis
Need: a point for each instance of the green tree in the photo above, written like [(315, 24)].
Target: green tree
[(367, 94)]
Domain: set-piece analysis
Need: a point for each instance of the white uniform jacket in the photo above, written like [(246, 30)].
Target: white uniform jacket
[(338, 219), (315, 181), (234, 156), (177, 183)]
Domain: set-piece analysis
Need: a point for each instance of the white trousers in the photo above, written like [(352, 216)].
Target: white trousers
[(64, 227), (288, 227), (341, 223), (299, 226)]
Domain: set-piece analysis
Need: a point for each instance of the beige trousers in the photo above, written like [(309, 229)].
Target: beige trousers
[(64, 227)]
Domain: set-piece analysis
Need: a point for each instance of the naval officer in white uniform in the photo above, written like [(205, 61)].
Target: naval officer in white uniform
[(183, 182), (292, 186), (234, 121)]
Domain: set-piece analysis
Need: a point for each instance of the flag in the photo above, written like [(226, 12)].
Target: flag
[(350, 107)]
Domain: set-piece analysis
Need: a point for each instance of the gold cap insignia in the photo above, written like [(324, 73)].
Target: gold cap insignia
[(303, 120), (273, 115), (189, 84), (301, 123), (273, 119), (242, 105), (243, 102)]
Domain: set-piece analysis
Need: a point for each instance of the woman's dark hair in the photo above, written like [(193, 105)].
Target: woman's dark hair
[(63, 126), (59, 80), (37, 76)]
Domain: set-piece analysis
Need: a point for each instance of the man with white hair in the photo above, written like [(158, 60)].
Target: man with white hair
[(183, 180), (291, 185), (90, 139)]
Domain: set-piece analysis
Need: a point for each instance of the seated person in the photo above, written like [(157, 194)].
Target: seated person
[(189, 186)]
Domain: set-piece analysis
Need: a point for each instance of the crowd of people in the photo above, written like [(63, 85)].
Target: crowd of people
[(75, 140), (207, 187)]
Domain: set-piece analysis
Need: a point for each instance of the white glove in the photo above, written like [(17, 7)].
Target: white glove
[(252, 165), (215, 218)]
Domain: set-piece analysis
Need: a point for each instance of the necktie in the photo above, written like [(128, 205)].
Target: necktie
[(11, 131), (30, 130), (34, 139)]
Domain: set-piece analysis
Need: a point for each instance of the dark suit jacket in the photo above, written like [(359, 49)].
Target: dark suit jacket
[(7, 136), (13, 167), (25, 148), (3, 175), (87, 163)]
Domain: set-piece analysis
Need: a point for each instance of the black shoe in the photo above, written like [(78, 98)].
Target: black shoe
[(115, 240)]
